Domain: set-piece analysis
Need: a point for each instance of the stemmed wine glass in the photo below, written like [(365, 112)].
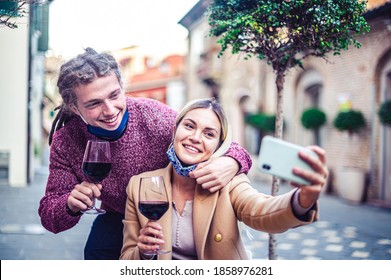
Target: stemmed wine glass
[(96, 166), (153, 202)]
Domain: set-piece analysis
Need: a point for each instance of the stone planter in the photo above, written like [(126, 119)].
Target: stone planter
[(350, 183)]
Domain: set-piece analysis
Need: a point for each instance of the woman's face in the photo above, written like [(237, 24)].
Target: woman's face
[(101, 103), (197, 136)]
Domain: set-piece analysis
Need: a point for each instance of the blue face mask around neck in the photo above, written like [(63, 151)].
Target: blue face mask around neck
[(176, 163), (110, 135)]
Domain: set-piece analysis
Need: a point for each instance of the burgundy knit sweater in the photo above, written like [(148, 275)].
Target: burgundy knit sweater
[(142, 148)]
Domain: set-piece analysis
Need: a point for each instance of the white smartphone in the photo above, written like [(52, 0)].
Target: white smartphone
[(278, 157)]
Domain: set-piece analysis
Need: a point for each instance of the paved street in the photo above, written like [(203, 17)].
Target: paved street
[(344, 231)]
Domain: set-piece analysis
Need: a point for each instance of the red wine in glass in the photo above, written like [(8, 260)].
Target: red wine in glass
[(96, 166), (153, 202), (96, 171), (153, 210)]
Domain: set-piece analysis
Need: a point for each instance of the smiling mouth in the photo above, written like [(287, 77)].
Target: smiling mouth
[(191, 148), (111, 120)]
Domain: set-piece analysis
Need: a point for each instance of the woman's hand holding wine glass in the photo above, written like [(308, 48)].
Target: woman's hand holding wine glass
[(153, 203), (150, 238)]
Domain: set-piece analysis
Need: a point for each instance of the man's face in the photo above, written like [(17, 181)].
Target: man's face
[(101, 103)]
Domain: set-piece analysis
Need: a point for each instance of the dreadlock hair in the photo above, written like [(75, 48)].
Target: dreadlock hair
[(81, 70)]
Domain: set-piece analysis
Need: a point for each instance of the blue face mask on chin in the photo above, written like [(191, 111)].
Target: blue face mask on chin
[(110, 135), (177, 164)]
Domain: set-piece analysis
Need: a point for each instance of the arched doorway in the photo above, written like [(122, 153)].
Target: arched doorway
[(245, 135), (309, 94), (385, 131)]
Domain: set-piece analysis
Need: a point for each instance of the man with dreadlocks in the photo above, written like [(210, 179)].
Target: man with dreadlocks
[(139, 130)]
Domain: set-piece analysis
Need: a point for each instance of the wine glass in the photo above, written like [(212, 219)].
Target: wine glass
[(153, 202), (96, 166)]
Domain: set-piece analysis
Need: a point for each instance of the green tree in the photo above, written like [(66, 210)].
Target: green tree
[(11, 9), (284, 32), (313, 119), (351, 121), (384, 112)]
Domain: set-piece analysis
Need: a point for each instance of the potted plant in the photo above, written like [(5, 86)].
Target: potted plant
[(313, 119), (384, 113), (350, 181), (351, 121), (262, 121)]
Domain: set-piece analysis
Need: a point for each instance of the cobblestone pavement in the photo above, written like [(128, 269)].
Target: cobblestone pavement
[(322, 241), (344, 231)]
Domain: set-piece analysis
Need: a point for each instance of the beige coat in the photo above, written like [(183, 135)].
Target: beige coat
[(215, 217)]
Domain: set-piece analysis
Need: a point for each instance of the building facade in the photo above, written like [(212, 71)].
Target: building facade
[(22, 59), (361, 77), (160, 77)]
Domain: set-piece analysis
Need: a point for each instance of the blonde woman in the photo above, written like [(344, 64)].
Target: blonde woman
[(204, 225)]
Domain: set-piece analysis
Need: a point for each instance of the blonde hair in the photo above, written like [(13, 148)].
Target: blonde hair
[(211, 103)]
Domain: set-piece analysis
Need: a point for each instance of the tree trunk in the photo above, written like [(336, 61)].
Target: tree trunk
[(317, 136), (278, 134)]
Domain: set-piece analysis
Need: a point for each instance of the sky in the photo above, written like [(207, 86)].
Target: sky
[(111, 25)]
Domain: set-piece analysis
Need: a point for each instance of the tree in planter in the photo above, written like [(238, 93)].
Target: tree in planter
[(284, 32), (351, 180), (351, 121), (313, 119), (384, 113)]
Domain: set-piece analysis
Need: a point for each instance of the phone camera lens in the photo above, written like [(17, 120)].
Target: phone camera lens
[(266, 166)]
